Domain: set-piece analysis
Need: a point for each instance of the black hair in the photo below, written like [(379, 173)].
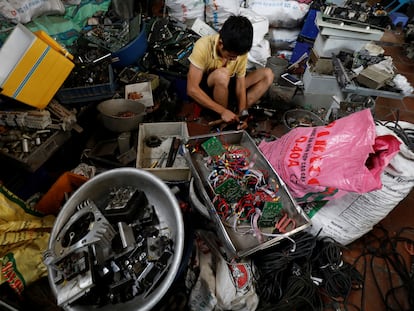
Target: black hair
[(237, 34)]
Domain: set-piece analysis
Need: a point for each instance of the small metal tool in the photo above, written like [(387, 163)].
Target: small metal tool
[(175, 144), (162, 159)]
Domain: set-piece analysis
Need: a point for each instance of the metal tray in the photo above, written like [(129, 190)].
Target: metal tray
[(236, 244)]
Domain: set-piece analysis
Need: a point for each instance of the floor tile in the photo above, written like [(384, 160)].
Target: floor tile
[(390, 103), (409, 103), (383, 113), (405, 115)]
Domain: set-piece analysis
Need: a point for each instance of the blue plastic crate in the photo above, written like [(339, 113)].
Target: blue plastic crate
[(88, 93)]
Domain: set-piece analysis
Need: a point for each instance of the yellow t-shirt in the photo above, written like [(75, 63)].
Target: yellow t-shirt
[(204, 56)]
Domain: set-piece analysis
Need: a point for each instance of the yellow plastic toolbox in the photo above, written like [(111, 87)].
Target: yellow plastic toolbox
[(33, 67)]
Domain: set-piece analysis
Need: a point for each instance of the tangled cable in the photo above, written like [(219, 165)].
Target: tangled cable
[(380, 246), (405, 134), (312, 277)]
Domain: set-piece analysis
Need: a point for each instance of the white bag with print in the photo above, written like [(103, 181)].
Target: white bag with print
[(187, 10), (217, 11), (17, 11), (281, 13)]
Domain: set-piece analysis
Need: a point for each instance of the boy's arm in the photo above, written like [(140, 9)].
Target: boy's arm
[(241, 93)]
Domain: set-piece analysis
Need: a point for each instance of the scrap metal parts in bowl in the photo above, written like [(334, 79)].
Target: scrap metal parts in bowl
[(117, 240), (301, 118), (121, 115)]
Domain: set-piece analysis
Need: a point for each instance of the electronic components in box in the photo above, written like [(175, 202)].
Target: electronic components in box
[(170, 44), (31, 148), (88, 74), (110, 251), (30, 137), (247, 201), (245, 198), (359, 15)]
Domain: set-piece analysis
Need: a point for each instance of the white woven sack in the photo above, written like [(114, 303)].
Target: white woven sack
[(280, 13), (217, 11), (17, 11), (185, 10), (283, 38)]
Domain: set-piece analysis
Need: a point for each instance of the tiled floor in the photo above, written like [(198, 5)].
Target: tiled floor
[(369, 298)]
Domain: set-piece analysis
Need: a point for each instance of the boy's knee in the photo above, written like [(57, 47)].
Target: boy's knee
[(269, 76), (220, 76)]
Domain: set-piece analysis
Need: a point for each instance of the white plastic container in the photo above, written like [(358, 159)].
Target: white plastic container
[(150, 156)]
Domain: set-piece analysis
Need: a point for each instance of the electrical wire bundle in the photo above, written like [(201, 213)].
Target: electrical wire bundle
[(276, 265), (405, 134), (310, 276), (242, 192), (382, 249), (338, 278)]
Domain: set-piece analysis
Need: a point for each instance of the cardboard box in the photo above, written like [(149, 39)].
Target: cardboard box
[(320, 65), (148, 156), (373, 78), (33, 67)]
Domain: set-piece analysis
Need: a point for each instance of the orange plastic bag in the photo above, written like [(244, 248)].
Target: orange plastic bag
[(67, 183)]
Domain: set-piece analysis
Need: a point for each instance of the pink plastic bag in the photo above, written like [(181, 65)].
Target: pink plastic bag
[(324, 162)]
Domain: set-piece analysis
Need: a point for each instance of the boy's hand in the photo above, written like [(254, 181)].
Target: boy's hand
[(243, 125), (244, 118), (229, 117)]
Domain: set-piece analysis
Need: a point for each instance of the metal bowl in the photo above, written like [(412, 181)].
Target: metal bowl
[(301, 118), (121, 115), (166, 207)]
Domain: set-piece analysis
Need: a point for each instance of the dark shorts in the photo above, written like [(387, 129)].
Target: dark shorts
[(232, 100)]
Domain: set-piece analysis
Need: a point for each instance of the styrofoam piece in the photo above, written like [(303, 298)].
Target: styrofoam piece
[(145, 91), (202, 29)]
